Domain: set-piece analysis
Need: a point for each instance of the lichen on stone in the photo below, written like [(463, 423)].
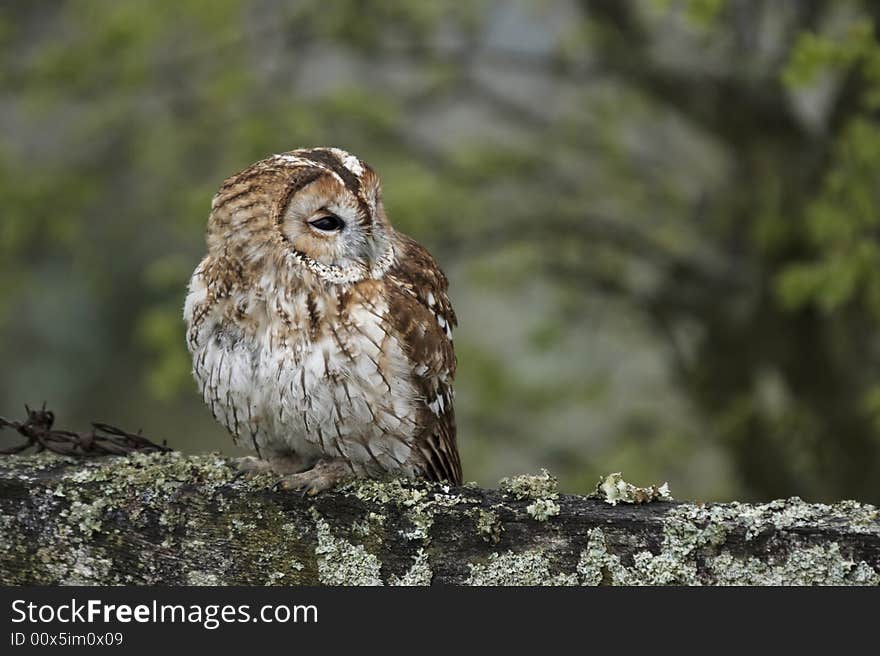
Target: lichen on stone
[(540, 489), (686, 530), (422, 520), (597, 566), (198, 577), (419, 574), (543, 509), (418, 501), (87, 517), (530, 567), (812, 565), (489, 526), (277, 578), (695, 534), (530, 486), (672, 566), (373, 524), (342, 563), (793, 512), (25, 466), (400, 491), (111, 496), (78, 565), (613, 489)]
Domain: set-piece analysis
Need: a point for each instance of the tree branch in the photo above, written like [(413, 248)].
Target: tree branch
[(165, 518)]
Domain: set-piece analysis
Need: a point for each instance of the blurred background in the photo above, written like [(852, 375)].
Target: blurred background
[(661, 219)]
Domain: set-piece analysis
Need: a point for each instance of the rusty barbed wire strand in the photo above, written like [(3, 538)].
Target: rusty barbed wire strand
[(102, 440)]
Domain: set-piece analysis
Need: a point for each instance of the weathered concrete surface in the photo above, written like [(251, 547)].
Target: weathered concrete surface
[(174, 519)]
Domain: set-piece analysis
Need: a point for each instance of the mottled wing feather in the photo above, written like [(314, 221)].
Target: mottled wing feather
[(424, 320)]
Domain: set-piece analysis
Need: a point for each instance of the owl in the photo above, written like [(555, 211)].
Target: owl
[(321, 337)]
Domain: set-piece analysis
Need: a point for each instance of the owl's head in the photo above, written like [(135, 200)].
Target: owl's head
[(319, 209)]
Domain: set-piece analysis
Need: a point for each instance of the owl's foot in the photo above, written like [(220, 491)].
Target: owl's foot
[(323, 476), (249, 466)]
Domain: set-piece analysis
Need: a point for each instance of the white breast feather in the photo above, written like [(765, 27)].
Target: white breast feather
[(275, 390)]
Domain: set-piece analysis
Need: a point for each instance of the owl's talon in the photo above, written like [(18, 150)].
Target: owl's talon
[(292, 483), (323, 476), (251, 465), (281, 485)]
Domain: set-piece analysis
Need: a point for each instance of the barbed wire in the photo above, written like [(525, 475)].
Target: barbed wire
[(102, 440)]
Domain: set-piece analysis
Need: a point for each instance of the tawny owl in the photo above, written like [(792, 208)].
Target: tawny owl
[(321, 336)]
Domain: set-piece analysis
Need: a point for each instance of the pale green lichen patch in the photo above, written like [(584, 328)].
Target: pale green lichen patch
[(694, 535), (342, 563), (198, 577), (277, 549), (98, 486), (598, 567), (530, 567), (79, 565), (789, 513), (530, 486), (399, 491), (405, 493), (89, 513), (422, 520), (687, 530), (419, 501), (159, 471), (28, 467), (419, 574), (543, 509), (815, 565), (489, 526), (373, 524), (613, 489), (87, 517), (540, 489)]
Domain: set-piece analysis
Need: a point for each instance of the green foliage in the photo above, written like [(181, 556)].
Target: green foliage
[(842, 224), (814, 54), (842, 221), (698, 12)]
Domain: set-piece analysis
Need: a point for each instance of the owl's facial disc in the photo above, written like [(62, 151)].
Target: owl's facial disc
[(326, 226)]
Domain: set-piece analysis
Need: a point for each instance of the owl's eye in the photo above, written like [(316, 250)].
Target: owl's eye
[(329, 223)]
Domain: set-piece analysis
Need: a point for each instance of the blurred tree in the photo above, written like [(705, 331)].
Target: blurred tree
[(660, 218)]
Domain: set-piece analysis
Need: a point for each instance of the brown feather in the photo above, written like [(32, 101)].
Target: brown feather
[(417, 297)]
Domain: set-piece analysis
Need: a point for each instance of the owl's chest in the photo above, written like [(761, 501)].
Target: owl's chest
[(301, 373)]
